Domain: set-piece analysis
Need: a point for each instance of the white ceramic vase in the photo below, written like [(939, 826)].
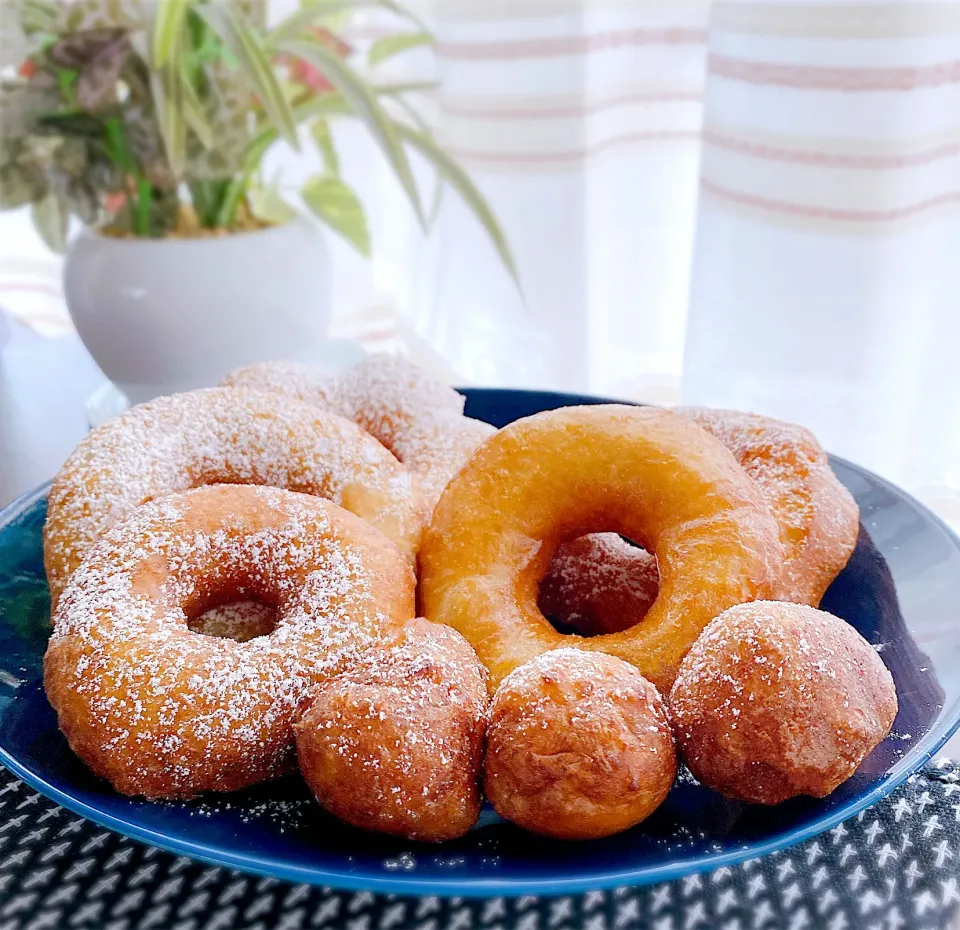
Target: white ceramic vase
[(160, 316)]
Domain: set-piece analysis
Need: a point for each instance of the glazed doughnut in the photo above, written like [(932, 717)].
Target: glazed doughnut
[(599, 584), (419, 419), (776, 700), (395, 743), (644, 473), (221, 435), (818, 519), (161, 711), (578, 746)]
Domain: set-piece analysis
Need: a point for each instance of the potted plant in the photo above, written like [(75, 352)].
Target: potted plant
[(149, 123)]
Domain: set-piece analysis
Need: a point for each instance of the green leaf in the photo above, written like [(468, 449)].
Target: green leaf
[(450, 171), (50, 219), (97, 83), (194, 114), (77, 50), (320, 131), (340, 208), (168, 26), (245, 46), (70, 123), (388, 46), (315, 11), (406, 87), (38, 16), (367, 108), (268, 204), (168, 93)]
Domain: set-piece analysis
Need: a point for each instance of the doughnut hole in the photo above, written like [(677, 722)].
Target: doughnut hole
[(394, 745), (599, 583), (578, 746), (240, 620), (776, 700)]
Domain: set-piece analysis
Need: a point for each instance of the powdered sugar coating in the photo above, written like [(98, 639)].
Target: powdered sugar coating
[(418, 418), (166, 712), (578, 746), (394, 744), (817, 516), (221, 435), (599, 584), (778, 699)]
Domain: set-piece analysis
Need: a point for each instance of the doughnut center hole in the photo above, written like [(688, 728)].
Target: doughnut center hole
[(598, 584), (237, 619)]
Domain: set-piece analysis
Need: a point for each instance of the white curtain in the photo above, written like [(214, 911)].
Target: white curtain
[(749, 204), (745, 204)]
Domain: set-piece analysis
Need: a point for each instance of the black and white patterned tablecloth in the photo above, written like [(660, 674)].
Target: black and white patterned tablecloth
[(893, 867)]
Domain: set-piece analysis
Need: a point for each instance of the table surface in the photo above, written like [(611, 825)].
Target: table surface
[(44, 385)]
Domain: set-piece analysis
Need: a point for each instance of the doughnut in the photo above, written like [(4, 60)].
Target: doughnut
[(818, 519), (578, 746), (161, 711), (776, 700), (647, 474), (221, 435), (395, 743), (419, 419), (599, 584)]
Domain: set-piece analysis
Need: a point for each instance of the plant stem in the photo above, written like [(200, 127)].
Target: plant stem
[(237, 188), (124, 159), (144, 200)]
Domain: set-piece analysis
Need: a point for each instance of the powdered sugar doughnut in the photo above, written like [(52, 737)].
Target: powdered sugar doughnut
[(599, 584), (578, 747), (221, 435), (776, 700), (395, 743), (419, 419), (817, 517), (161, 711)]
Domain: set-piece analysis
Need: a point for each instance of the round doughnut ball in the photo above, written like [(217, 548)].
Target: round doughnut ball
[(776, 700), (395, 744), (578, 746), (599, 584)]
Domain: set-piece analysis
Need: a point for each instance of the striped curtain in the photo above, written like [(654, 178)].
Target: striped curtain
[(751, 204)]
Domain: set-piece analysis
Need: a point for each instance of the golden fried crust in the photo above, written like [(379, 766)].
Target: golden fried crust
[(395, 744), (648, 474), (222, 436), (776, 700), (578, 746), (162, 711), (817, 517), (599, 584), (594, 584)]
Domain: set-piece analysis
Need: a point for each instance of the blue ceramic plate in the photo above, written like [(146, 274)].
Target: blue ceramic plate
[(901, 590)]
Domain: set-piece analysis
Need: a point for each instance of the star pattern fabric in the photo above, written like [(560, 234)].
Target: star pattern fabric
[(895, 866)]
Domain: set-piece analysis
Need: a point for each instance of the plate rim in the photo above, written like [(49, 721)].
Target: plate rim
[(439, 886)]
